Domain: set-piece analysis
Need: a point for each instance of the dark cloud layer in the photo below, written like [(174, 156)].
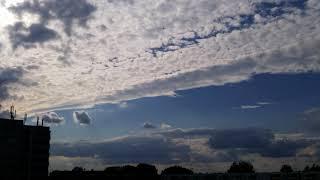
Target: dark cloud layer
[(132, 149), (148, 125), (173, 146), (8, 76), (20, 35), (69, 12), (271, 10), (283, 148), (241, 138), (260, 141), (245, 141)]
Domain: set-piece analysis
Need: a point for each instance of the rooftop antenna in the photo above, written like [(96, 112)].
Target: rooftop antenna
[(13, 113), (25, 118)]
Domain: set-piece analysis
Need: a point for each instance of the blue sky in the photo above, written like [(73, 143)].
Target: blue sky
[(200, 83), (273, 101)]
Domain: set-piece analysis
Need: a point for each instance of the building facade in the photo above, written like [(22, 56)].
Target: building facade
[(24, 150)]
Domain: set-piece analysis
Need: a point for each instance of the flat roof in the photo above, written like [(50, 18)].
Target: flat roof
[(19, 122)]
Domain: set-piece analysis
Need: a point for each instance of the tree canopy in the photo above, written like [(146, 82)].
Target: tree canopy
[(313, 168), (241, 167), (174, 170), (286, 168)]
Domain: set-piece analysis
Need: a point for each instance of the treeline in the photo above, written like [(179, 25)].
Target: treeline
[(147, 171), (141, 171)]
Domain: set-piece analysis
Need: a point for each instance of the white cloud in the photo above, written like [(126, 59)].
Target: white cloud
[(264, 103), (250, 106), (82, 118), (123, 105), (68, 163), (165, 126), (52, 118), (255, 106), (195, 44)]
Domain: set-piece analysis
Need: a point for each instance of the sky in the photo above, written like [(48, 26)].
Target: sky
[(199, 83)]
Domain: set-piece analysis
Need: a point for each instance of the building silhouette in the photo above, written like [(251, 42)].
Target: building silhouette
[(24, 150)]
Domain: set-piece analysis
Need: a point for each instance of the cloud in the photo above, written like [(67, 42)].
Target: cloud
[(187, 133), (68, 163), (82, 118), (4, 114), (311, 151), (259, 141), (264, 103), (200, 43), (310, 120), (20, 35), (123, 105), (241, 138), (148, 125), (238, 142), (69, 12), (250, 106), (269, 10), (283, 148), (165, 126), (255, 106), (200, 147), (52, 118), (9, 76), (130, 149)]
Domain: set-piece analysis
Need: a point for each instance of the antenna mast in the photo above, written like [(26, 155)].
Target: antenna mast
[(13, 113), (25, 118)]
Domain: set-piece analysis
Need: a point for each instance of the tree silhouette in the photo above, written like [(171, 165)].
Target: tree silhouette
[(114, 170), (147, 169), (129, 170), (120, 171), (286, 168), (241, 167), (78, 169), (313, 168), (175, 170), (306, 169)]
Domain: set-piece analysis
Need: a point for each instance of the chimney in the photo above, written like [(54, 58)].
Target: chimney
[(37, 120)]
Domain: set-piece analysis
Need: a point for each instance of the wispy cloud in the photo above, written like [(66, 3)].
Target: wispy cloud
[(249, 106), (255, 106), (264, 103)]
